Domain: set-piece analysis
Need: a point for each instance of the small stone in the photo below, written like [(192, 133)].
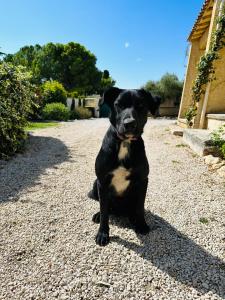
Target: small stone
[(221, 171), (217, 166), (205, 285), (177, 132), (211, 160), (103, 284)]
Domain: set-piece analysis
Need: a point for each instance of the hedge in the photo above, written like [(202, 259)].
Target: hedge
[(16, 101), (55, 111), (53, 91), (80, 113)]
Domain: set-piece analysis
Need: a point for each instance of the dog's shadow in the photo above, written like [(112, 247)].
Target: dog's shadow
[(24, 169), (177, 255)]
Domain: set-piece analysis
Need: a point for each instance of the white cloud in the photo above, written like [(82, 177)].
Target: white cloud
[(127, 44)]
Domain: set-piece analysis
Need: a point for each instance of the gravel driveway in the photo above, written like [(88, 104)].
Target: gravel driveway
[(47, 248)]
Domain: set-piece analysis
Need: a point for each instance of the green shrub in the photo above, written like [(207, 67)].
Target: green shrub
[(55, 111), (16, 102), (73, 115), (218, 139), (80, 113), (53, 91), (222, 148), (73, 94)]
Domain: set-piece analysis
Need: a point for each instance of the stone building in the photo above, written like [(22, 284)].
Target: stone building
[(211, 108)]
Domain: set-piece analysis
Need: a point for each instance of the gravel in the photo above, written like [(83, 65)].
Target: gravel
[(47, 248)]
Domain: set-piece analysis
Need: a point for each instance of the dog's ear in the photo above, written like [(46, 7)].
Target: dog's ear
[(110, 96), (153, 101)]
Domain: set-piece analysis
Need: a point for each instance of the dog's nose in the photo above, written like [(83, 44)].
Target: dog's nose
[(129, 123)]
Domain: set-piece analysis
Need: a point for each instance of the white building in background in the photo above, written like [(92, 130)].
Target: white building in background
[(90, 102)]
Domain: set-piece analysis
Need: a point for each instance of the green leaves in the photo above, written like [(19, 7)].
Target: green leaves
[(16, 102), (53, 91), (56, 112), (70, 64), (168, 87), (190, 114), (218, 139)]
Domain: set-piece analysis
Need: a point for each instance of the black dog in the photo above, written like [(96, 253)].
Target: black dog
[(121, 165)]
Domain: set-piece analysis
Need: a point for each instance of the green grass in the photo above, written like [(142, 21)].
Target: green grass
[(204, 220), (40, 125), (175, 161), (181, 145)]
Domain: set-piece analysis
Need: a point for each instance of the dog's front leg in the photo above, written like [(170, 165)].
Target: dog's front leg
[(137, 216), (102, 237)]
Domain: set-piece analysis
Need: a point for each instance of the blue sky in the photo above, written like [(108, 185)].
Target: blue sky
[(136, 40)]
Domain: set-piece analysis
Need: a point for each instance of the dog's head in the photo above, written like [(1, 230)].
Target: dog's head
[(129, 110)]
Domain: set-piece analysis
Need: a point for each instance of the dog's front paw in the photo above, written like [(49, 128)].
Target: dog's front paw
[(102, 238), (142, 229)]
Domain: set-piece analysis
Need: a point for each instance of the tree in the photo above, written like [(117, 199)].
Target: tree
[(1, 53), (153, 87), (71, 64), (106, 82), (171, 87), (105, 74), (168, 87), (25, 56)]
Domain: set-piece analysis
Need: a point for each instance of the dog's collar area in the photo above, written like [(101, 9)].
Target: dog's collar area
[(129, 138), (120, 136), (123, 137)]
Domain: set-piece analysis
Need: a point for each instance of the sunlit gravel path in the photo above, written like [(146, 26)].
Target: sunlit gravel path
[(47, 247)]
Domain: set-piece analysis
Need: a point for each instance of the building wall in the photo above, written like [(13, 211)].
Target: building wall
[(69, 102), (216, 100), (168, 108), (90, 103), (196, 51), (213, 121)]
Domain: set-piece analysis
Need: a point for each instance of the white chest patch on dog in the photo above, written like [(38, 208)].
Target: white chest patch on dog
[(124, 150), (119, 180)]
